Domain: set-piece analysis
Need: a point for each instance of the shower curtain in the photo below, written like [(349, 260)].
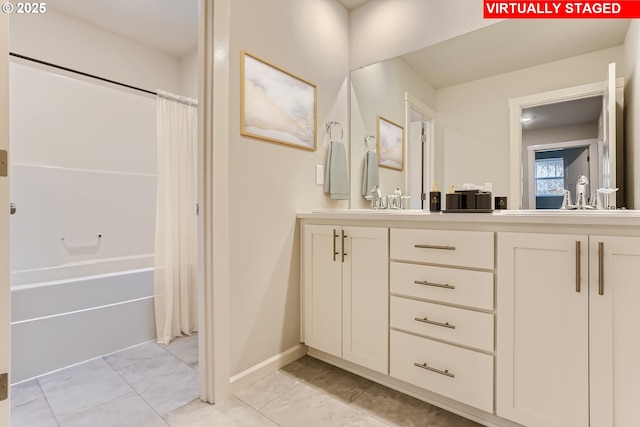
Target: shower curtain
[(175, 275)]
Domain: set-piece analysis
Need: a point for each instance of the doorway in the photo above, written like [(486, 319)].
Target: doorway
[(554, 168), (138, 71), (420, 122), (608, 97)]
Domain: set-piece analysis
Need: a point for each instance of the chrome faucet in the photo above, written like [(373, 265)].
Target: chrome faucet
[(566, 200), (581, 193), (376, 198)]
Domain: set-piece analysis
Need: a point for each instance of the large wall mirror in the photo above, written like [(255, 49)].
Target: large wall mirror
[(466, 84), (566, 136)]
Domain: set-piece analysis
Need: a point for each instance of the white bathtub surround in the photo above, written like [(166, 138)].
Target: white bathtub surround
[(77, 319), (175, 281), (87, 169)]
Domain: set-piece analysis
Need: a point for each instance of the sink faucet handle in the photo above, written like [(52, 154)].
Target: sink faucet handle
[(566, 200)]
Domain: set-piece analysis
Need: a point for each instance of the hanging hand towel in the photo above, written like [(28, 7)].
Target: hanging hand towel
[(336, 179), (370, 177)]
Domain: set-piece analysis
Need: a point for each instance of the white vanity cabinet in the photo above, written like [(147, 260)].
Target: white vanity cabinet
[(614, 319), (346, 293), (542, 329), (442, 321), (567, 355)]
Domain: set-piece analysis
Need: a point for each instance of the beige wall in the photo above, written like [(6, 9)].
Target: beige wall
[(188, 85), (270, 182), (472, 133), (632, 113)]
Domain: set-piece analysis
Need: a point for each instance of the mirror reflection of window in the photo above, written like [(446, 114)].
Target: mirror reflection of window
[(549, 176)]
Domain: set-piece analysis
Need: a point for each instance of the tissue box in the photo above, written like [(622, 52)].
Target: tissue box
[(483, 201), (453, 201), (467, 198)]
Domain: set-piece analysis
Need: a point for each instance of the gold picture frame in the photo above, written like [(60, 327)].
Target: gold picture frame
[(390, 144), (275, 105)]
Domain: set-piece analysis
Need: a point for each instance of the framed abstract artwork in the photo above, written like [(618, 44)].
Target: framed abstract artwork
[(276, 105), (390, 144)]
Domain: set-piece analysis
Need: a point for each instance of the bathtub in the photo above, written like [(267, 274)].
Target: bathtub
[(65, 315)]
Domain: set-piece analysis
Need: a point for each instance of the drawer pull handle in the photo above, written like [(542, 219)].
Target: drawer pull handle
[(437, 285), (446, 372), (431, 322), (344, 236), (600, 268), (335, 236), (446, 248), (578, 266)]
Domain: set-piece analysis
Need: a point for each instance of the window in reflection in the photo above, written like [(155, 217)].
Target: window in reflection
[(549, 176)]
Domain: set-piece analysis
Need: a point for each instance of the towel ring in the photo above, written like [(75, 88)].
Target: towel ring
[(330, 126), (368, 138)]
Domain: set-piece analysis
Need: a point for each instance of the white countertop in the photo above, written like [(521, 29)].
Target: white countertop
[(560, 217)]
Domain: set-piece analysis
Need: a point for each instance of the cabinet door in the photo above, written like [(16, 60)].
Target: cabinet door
[(614, 337), (366, 297), (542, 330), (322, 288)]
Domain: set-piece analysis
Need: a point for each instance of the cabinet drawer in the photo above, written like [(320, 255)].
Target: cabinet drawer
[(455, 325), (453, 286), (468, 377), (461, 248)]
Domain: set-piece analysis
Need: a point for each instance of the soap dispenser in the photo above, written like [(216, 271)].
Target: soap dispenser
[(434, 198)]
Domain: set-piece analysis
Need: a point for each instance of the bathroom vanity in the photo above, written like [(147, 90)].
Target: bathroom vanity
[(512, 318)]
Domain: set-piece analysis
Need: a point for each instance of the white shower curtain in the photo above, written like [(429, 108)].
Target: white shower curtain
[(175, 276)]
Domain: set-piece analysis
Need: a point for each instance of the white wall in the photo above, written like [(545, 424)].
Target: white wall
[(189, 75), (382, 29), (379, 90), (61, 40), (472, 132), (83, 163), (270, 182), (632, 113)]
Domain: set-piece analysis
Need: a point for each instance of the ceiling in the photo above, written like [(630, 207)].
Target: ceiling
[(512, 45), (351, 4), (578, 111), (170, 26)]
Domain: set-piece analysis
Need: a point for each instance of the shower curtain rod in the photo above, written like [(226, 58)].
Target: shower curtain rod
[(17, 55)]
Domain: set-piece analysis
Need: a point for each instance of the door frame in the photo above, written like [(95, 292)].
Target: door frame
[(213, 265), (516, 105), (591, 144), (5, 290), (426, 150), (213, 196)]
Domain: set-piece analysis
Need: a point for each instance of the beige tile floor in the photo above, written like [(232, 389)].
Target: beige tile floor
[(153, 385)]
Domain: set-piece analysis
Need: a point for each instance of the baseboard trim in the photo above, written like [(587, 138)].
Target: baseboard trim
[(269, 366)]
